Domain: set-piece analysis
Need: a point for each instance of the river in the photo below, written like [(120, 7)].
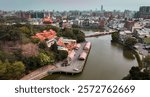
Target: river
[(106, 61)]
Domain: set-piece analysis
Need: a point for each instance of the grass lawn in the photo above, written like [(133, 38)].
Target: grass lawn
[(147, 40)]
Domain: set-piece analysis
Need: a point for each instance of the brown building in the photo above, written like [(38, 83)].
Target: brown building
[(129, 24), (25, 15)]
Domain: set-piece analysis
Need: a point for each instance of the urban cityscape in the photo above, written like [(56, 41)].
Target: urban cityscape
[(75, 44)]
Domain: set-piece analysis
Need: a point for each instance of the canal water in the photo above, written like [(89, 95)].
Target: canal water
[(106, 61)]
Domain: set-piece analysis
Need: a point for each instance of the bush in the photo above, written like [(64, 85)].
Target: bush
[(35, 40), (11, 70), (115, 36), (61, 55), (130, 42), (42, 45)]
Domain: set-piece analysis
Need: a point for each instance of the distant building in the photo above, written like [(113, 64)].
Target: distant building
[(144, 12), (102, 23), (22, 14), (123, 35), (141, 34), (85, 23), (37, 15), (129, 25), (47, 20), (102, 8)]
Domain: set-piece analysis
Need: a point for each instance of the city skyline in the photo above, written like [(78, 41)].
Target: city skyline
[(65, 5)]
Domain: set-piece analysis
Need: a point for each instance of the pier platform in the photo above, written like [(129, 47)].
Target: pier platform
[(76, 65)]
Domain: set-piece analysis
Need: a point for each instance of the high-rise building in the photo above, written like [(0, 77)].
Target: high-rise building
[(102, 8), (144, 12)]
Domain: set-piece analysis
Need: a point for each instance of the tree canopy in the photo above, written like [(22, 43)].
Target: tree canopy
[(130, 42), (146, 61), (11, 70), (115, 36)]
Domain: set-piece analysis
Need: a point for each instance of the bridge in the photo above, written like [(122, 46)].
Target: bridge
[(98, 34)]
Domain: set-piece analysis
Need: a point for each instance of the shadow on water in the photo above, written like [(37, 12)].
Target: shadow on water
[(116, 46), (127, 53)]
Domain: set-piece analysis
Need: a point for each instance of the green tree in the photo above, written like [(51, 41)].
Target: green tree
[(80, 38), (14, 70), (130, 42), (54, 47), (136, 74), (35, 40), (19, 68), (25, 30), (44, 59), (61, 55), (8, 74), (115, 36), (56, 29), (2, 69), (146, 61), (43, 45), (31, 63)]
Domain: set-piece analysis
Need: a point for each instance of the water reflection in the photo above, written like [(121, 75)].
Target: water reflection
[(128, 54)]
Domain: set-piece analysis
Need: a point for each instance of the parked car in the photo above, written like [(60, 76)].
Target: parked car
[(75, 69)]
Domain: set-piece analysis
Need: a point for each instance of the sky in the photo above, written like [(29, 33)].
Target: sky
[(65, 5)]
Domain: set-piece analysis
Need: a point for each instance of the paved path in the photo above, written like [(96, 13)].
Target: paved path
[(39, 73)]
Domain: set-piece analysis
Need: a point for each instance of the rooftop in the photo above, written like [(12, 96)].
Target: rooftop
[(45, 35)]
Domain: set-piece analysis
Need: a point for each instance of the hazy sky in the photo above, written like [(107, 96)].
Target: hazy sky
[(62, 5)]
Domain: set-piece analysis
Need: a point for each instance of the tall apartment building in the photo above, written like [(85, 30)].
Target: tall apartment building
[(144, 12)]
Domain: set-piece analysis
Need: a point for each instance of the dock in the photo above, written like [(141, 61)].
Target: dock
[(76, 65)]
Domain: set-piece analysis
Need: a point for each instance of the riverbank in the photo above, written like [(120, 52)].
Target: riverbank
[(138, 56)]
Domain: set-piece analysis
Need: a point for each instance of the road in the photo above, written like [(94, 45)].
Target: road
[(39, 73)]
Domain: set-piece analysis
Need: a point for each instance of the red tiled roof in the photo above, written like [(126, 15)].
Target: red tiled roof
[(60, 42), (48, 20), (45, 34)]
